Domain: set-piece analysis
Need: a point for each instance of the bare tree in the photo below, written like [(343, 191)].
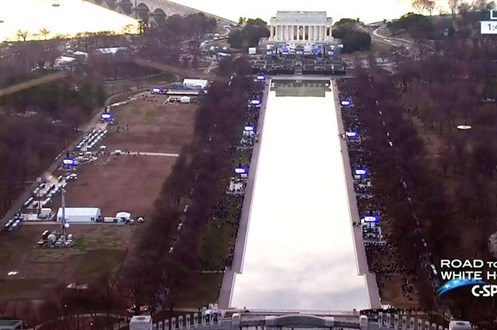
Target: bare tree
[(430, 6), (420, 5), (22, 35), (453, 6), (45, 33)]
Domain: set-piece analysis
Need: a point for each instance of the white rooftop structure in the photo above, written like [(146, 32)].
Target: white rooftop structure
[(304, 17), (301, 27), (63, 60), (195, 83), (79, 214), (79, 53), (111, 50)]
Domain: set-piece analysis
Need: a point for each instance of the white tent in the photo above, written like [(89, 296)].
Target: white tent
[(195, 83), (185, 99), (123, 216), (79, 214)]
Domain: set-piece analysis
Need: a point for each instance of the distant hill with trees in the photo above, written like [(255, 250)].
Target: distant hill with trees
[(249, 35), (416, 26), (353, 35), (462, 17)]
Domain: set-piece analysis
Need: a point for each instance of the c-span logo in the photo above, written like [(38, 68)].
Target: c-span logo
[(460, 283)]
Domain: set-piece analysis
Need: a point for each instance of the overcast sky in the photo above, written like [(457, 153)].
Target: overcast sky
[(368, 10)]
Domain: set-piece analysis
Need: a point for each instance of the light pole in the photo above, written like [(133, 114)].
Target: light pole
[(63, 220), (38, 194)]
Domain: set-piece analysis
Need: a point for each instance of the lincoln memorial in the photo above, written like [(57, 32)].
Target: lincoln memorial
[(301, 27)]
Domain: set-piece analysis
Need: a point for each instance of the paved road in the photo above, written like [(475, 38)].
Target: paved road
[(396, 42), (362, 262), (212, 66), (241, 239), (309, 77), (156, 154), (400, 42)]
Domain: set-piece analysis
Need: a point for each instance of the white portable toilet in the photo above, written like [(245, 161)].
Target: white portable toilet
[(141, 322)]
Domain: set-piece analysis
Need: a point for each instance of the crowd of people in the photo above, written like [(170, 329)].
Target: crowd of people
[(380, 250), (228, 211), (292, 63), (383, 259), (321, 65)]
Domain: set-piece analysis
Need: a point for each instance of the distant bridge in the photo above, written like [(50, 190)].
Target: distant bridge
[(143, 9)]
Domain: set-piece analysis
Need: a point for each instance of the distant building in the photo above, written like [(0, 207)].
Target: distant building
[(301, 27), (80, 214)]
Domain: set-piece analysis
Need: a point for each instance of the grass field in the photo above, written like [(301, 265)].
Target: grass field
[(122, 183), (469, 245), (127, 183), (117, 86)]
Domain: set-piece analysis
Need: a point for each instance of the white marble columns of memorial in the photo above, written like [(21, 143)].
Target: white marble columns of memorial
[(300, 32)]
